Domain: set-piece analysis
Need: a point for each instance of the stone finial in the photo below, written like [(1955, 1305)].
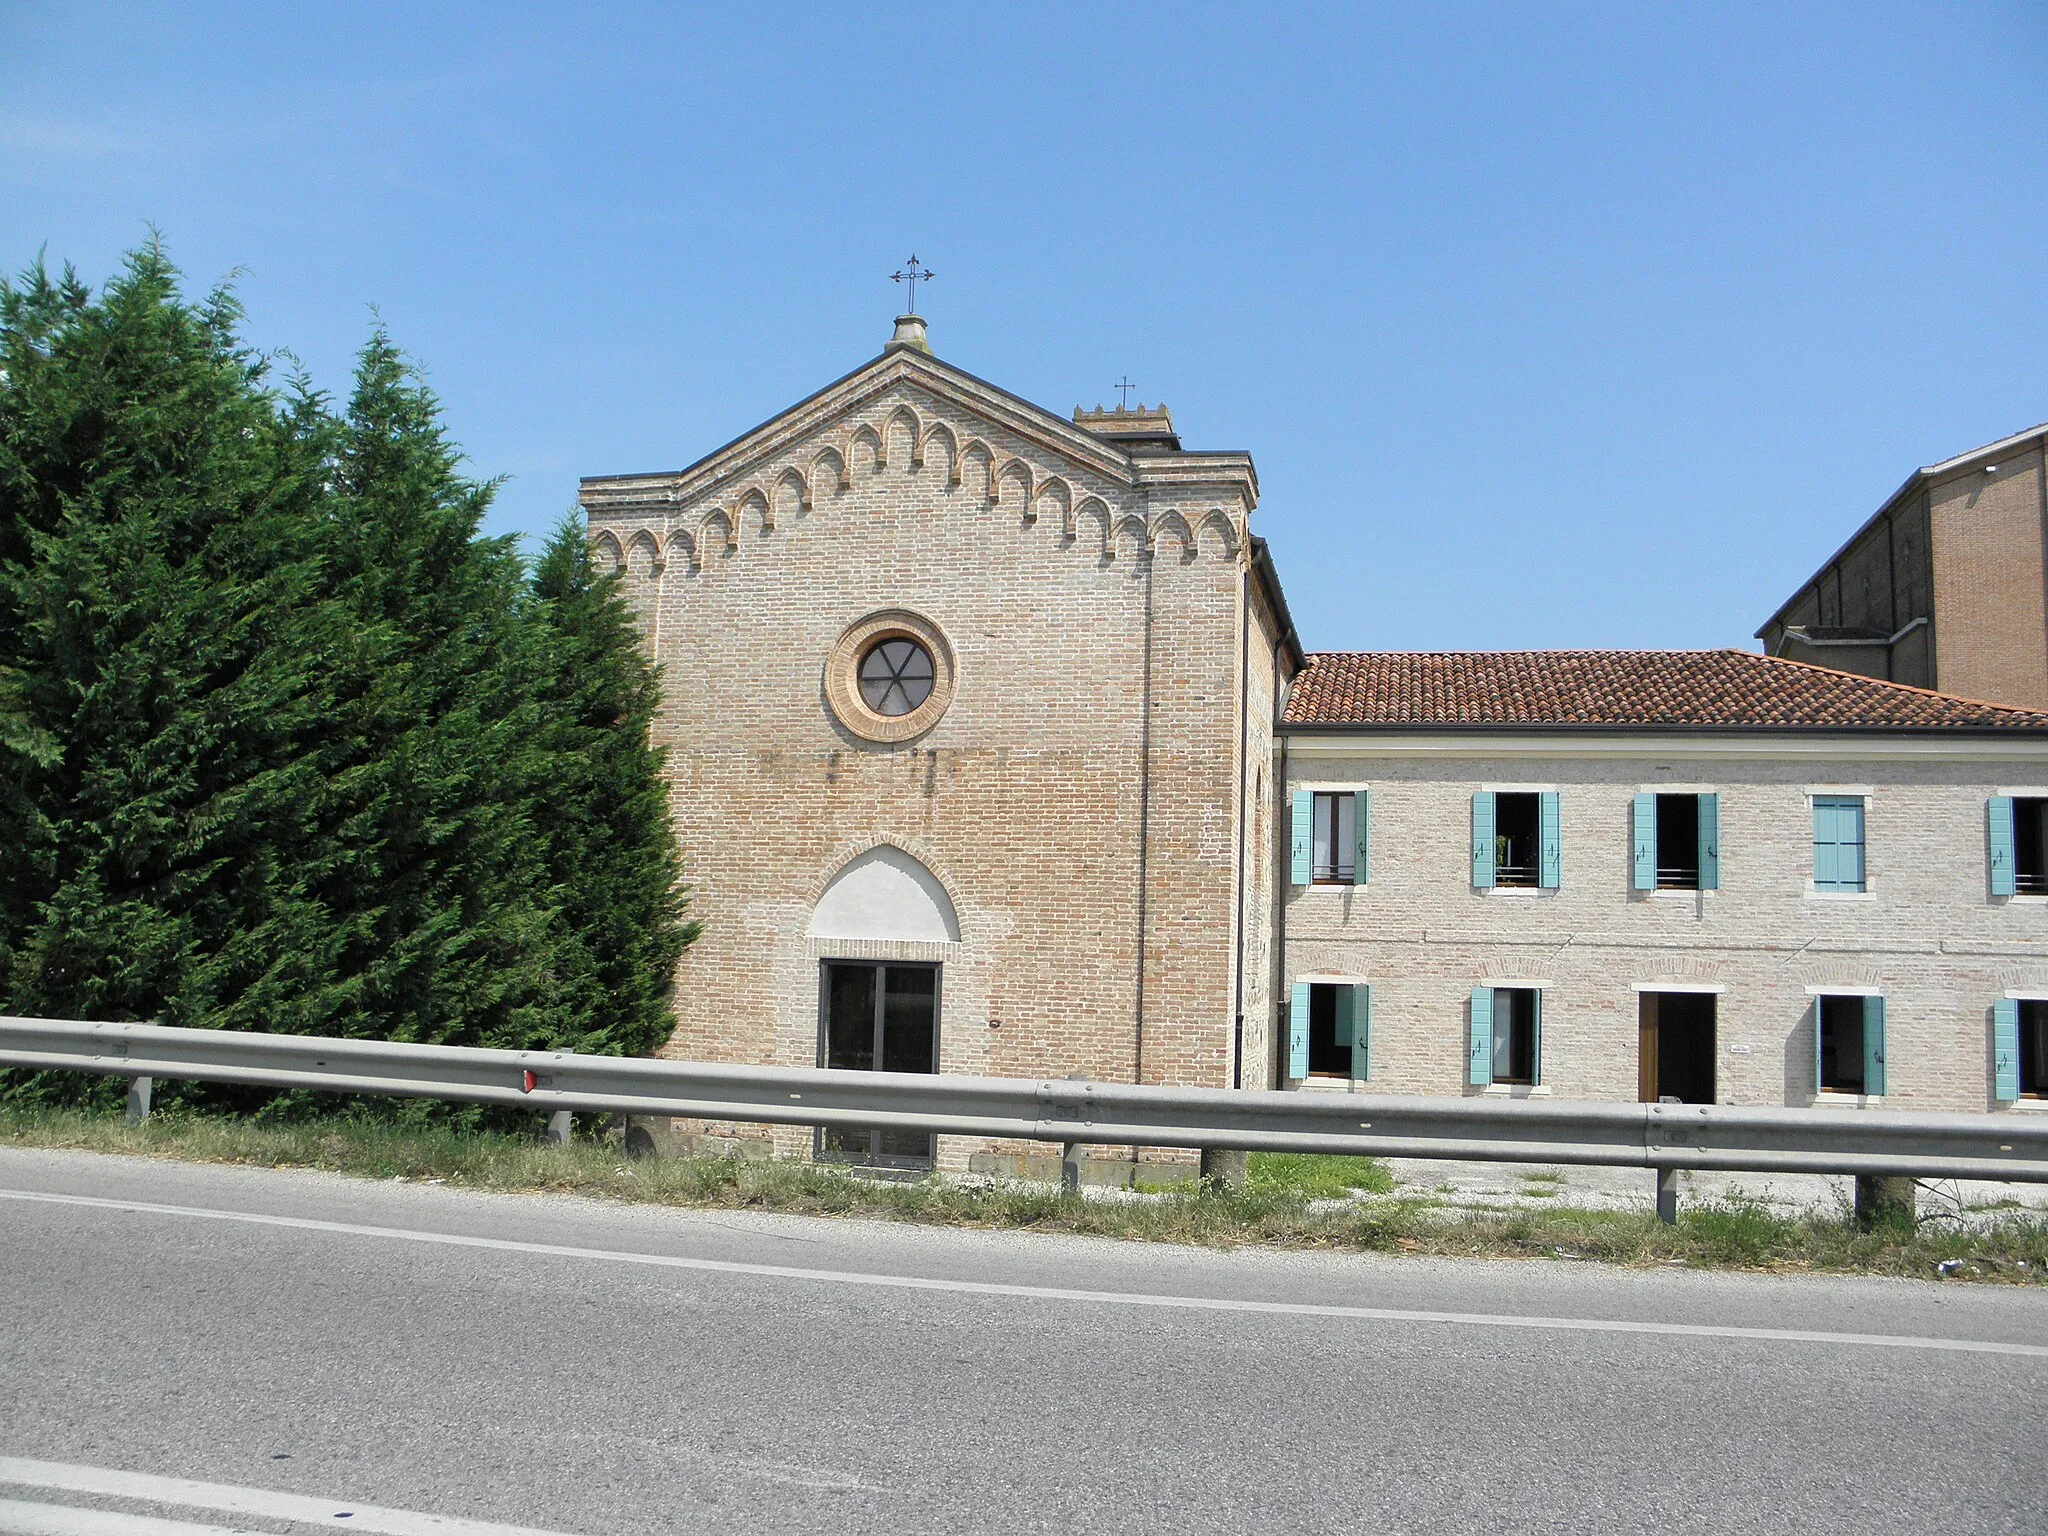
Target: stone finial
[(910, 333)]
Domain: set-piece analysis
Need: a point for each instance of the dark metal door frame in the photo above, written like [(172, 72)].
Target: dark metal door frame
[(875, 1157)]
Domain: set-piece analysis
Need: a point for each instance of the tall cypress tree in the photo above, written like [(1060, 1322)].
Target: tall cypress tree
[(284, 742), (160, 612), (603, 817)]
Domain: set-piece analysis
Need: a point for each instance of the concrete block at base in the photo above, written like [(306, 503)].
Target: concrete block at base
[(1223, 1168), (1881, 1200), (1098, 1172), (662, 1136)]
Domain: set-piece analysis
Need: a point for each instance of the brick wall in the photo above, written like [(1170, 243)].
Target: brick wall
[(1990, 585)]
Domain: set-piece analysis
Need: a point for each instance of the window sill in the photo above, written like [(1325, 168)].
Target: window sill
[(1325, 1082), (1512, 1091), (1516, 892), (1678, 892), (2037, 1105), (1815, 894), (1829, 1099), (2025, 899)]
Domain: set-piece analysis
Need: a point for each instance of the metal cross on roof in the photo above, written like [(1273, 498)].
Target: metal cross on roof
[(913, 274), (1123, 390)]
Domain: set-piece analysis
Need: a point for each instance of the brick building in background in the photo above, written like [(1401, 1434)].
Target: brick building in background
[(1946, 586), (991, 752)]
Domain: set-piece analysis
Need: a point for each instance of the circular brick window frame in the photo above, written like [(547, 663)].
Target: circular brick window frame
[(842, 676)]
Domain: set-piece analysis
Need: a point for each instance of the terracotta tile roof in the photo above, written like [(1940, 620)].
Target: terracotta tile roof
[(1726, 690)]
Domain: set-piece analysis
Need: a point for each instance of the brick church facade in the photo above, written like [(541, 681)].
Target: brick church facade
[(993, 751)]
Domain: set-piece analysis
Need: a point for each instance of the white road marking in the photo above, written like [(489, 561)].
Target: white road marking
[(226, 1498), (1053, 1292), (19, 1519)]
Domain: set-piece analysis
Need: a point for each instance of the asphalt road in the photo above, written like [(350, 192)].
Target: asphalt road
[(575, 1367)]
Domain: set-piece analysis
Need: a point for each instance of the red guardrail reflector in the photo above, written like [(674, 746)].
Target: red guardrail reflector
[(527, 1081)]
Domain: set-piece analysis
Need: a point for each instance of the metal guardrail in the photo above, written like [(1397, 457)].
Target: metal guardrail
[(1666, 1137)]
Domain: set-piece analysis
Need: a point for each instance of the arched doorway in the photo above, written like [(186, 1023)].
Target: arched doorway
[(881, 1015)]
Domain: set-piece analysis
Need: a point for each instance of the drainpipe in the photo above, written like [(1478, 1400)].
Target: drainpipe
[(1244, 670), (1144, 818)]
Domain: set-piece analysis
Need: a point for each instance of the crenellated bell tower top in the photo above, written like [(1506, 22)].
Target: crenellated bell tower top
[(1148, 429)]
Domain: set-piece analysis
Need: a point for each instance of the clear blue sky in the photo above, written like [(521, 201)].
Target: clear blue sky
[(1546, 327)]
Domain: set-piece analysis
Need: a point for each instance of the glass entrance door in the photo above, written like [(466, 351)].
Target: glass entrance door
[(878, 1017)]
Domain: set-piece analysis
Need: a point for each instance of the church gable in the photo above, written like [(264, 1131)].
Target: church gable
[(943, 432)]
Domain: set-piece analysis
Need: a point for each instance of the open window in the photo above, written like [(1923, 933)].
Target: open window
[(1677, 841), (1329, 1030), (1516, 839), (2020, 1048), (1331, 836), (1506, 1037), (1336, 835), (1849, 1044), (2019, 845)]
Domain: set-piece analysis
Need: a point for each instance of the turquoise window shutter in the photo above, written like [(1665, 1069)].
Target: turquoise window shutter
[(1361, 805), (1838, 842), (1482, 841), (1710, 842), (1873, 1045), (1343, 1019), (1536, 1035), (1549, 841), (1479, 1071), (1361, 1031), (1297, 1032), (2004, 866), (1303, 833), (2005, 1049), (1826, 846), (1643, 819)]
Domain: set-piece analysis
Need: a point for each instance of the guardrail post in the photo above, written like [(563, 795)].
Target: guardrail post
[(1224, 1168), (560, 1124), (1070, 1168), (1667, 1196), (139, 1091), (1882, 1201)]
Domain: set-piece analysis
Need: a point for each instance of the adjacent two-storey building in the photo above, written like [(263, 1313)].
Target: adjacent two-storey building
[(1710, 876)]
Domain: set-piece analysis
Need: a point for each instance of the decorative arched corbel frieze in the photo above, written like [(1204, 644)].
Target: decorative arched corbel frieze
[(983, 459), (1017, 472), (942, 434), (792, 493), (1091, 523), (912, 426), (833, 462), (1219, 522), (1171, 523), (715, 532), (865, 434), (1055, 498), (755, 500)]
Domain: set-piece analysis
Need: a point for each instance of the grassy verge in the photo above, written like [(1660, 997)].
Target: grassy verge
[(1288, 1202)]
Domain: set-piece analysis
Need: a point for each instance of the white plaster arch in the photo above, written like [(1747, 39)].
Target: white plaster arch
[(885, 893)]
